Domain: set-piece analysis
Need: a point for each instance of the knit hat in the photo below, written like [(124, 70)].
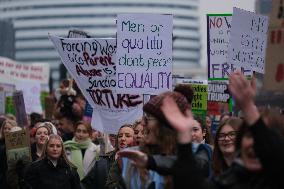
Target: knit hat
[(153, 106), (186, 90), (49, 126)]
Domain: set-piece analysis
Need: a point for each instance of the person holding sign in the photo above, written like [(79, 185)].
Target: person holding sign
[(53, 170), (260, 143)]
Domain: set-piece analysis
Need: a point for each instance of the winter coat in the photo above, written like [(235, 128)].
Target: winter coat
[(164, 164), (3, 165), (269, 148), (97, 176), (42, 174), (90, 157)]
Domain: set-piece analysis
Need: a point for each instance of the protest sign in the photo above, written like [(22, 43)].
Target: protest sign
[(144, 53), (49, 107), (274, 62), (91, 63), (218, 30), (9, 106), (11, 71), (77, 33), (199, 102), (19, 105), (276, 17), (17, 146), (31, 92), (274, 76), (219, 99), (219, 102), (2, 102), (248, 40)]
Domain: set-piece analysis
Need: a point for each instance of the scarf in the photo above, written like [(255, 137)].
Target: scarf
[(76, 154)]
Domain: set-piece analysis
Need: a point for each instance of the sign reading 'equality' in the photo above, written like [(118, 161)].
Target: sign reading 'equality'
[(144, 53)]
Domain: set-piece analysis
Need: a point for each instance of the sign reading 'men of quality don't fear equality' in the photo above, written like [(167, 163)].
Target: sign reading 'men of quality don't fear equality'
[(144, 53)]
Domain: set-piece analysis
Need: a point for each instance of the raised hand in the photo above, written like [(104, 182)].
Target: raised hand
[(179, 121), (138, 158), (244, 92)]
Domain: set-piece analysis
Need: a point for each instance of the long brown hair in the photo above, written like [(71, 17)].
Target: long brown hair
[(63, 153), (166, 145), (219, 165), (116, 138)]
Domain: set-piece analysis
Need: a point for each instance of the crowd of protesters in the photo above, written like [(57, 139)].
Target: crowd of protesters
[(166, 148)]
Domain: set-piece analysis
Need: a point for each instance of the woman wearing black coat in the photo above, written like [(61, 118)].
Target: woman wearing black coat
[(260, 144), (53, 170)]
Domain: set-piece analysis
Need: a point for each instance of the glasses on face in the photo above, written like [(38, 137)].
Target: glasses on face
[(231, 135)]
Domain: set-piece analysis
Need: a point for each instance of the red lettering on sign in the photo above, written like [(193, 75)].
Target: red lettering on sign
[(279, 73)]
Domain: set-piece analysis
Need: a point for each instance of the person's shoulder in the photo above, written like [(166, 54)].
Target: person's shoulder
[(231, 176), (93, 147), (37, 164)]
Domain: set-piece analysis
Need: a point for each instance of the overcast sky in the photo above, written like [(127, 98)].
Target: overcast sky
[(218, 6)]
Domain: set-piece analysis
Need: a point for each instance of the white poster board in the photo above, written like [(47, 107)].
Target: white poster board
[(218, 29), (31, 92), (10, 71), (91, 62), (144, 53), (248, 40)]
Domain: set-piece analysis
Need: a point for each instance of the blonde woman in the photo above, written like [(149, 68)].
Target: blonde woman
[(53, 170)]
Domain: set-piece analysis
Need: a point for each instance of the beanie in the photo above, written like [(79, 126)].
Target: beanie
[(186, 90), (153, 106)]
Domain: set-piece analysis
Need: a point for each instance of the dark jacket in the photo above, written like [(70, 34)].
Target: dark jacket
[(97, 176), (269, 148), (3, 164), (42, 174), (164, 164), (114, 179), (33, 152)]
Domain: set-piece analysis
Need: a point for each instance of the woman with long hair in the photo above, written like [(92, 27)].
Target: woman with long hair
[(53, 170), (40, 135), (224, 144), (260, 143)]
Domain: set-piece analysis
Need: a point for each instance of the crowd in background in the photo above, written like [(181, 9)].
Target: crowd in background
[(166, 148)]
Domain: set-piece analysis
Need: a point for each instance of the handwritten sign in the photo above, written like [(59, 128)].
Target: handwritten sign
[(11, 70), (274, 76), (31, 92), (248, 40), (91, 63), (17, 146), (19, 104), (144, 53), (219, 28), (276, 17)]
